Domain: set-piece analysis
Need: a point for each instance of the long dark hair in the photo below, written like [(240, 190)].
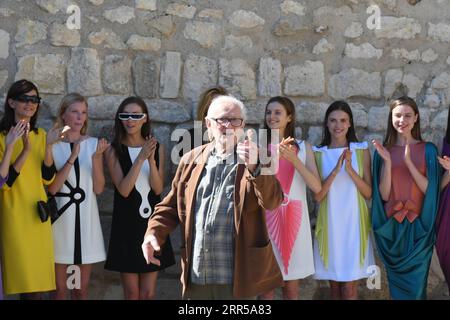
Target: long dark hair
[(17, 89), (391, 133), (447, 133), (119, 130), (338, 106), (290, 110)]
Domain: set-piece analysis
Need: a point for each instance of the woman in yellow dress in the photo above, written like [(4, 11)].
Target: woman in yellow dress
[(25, 242)]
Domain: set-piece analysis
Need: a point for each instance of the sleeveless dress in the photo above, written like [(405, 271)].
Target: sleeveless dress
[(343, 261), (77, 233), (129, 221), (289, 226)]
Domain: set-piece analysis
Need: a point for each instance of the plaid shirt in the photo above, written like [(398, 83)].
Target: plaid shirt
[(213, 249)]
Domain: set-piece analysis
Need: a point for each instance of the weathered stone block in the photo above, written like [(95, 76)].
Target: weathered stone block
[(167, 111), (3, 77), (4, 44), (54, 6), (440, 32), (117, 74), (405, 54), (104, 107), (238, 43), (199, 74), (354, 82), (145, 75), (170, 75), (306, 80), (211, 14), (288, 26), (46, 71), (163, 24), (181, 10), (120, 15), (429, 56), (269, 77), (237, 77), (145, 5), (137, 42), (85, 80), (205, 33), (323, 46), (246, 19), (30, 32), (401, 28), (364, 51), (355, 30), (310, 113), (294, 7), (108, 37), (61, 36)]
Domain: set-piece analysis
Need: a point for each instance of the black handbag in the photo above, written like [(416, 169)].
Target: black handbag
[(48, 209)]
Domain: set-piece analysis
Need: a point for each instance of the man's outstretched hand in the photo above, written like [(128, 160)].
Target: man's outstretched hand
[(149, 246)]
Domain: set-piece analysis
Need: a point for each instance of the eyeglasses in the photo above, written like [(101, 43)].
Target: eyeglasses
[(131, 116), (235, 122), (25, 99)]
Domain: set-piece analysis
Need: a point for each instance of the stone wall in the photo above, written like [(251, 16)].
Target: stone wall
[(168, 52)]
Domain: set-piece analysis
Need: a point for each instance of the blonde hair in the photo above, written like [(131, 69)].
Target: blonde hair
[(66, 102)]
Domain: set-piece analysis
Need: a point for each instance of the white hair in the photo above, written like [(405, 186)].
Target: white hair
[(222, 99)]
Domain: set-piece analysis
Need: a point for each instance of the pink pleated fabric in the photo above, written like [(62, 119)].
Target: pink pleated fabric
[(284, 222)]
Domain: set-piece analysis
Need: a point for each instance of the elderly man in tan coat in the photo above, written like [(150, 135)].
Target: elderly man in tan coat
[(218, 198)]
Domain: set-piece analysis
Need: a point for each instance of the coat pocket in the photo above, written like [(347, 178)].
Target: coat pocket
[(261, 260)]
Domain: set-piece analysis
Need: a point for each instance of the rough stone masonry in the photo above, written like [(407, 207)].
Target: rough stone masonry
[(169, 51)]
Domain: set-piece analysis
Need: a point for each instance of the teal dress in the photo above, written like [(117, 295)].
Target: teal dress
[(406, 248)]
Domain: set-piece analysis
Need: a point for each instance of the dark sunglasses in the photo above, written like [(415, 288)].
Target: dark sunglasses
[(131, 116), (25, 99)]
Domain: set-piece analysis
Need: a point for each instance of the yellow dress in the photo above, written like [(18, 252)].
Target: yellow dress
[(26, 243)]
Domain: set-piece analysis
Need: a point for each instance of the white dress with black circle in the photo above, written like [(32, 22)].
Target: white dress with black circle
[(77, 233)]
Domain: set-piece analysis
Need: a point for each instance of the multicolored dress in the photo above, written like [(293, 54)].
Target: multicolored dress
[(343, 248), (77, 233), (288, 225), (404, 226), (130, 219)]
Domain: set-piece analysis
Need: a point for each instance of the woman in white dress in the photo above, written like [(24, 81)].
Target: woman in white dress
[(342, 246), (77, 233), (288, 226)]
